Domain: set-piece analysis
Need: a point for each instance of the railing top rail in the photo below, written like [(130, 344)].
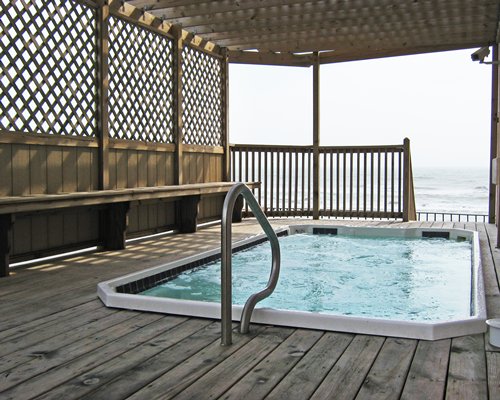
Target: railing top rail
[(269, 147)]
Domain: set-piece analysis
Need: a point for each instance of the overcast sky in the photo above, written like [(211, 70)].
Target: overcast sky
[(440, 101)]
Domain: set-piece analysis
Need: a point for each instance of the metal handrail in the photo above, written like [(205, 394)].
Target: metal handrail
[(226, 259)]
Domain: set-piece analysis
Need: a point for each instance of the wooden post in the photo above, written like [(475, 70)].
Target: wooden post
[(316, 104), (187, 213), (6, 222), (409, 211), (494, 136), (177, 84), (226, 168), (116, 222), (103, 93)]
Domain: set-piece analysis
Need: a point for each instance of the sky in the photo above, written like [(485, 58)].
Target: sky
[(440, 101)]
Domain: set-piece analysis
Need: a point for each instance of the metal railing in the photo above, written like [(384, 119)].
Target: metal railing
[(354, 181), (240, 189), (438, 216)]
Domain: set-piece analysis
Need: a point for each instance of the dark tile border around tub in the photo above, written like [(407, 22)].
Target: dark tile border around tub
[(151, 281), (325, 231), (436, 234)]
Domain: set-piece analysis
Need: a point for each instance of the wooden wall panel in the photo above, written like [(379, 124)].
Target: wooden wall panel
[(151, 173), (137, 168), (56, 223), (39, 232), (202, 167), (142, 167), (21, 233), (67, 230), (121, 169), (54, 169), (38, 169), (132, 170), (70, 174), (21, 170), (112, 169), (5, 169), (150, 217)]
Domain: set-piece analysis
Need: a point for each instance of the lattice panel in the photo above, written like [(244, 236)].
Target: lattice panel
[(202, 98), (140, 84), (48, 75)]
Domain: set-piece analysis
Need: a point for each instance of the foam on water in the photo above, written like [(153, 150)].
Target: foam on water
[(390, 278)]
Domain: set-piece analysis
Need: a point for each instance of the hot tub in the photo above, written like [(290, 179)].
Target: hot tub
[(413, 283)]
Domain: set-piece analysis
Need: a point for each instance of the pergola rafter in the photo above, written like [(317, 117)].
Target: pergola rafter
[(375, 28)]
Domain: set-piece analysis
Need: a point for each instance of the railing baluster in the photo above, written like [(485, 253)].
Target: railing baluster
[(344, 181), (351, 157), (278, 211), (309, 173), (266, 180), (372, 188), (385, 181), (331, 184), (260, 176), (303, 188), (365, 159), (289, 183), (324, 183), (296, 179), (392, 183), (400, 180), (378, 181), (271, 186), (358, 169), (338, 182)]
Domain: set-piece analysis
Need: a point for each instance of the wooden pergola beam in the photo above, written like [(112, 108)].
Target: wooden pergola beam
[(197, 13), (270, 58), (158, 25), (369, 54), (321, 41)]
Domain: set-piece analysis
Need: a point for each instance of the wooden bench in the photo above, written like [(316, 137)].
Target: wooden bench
[(116, 206)]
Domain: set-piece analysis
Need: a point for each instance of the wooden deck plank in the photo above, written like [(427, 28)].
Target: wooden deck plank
[(66, 324), (467, 369), (262, 378), (32, 310), (53, 368), (388, 373), (219, 379), (427, 376), (63, 348), (302, 380), (491, 283), (113, 369), (348, 374), (140, 375), (493, 362), (53, 319), (183, 375)]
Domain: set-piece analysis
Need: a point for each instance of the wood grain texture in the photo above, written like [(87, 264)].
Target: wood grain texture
[(467, 370), (388, 373), (427, 375), (348, 374), (7, 168), (21, 170), (261, 379)]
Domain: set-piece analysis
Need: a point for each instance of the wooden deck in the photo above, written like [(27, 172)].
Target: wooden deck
[(57, 341)]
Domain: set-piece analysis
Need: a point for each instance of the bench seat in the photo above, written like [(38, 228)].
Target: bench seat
[(114, 205)]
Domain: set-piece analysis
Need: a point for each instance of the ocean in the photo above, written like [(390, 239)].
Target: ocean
[(451, 190)]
